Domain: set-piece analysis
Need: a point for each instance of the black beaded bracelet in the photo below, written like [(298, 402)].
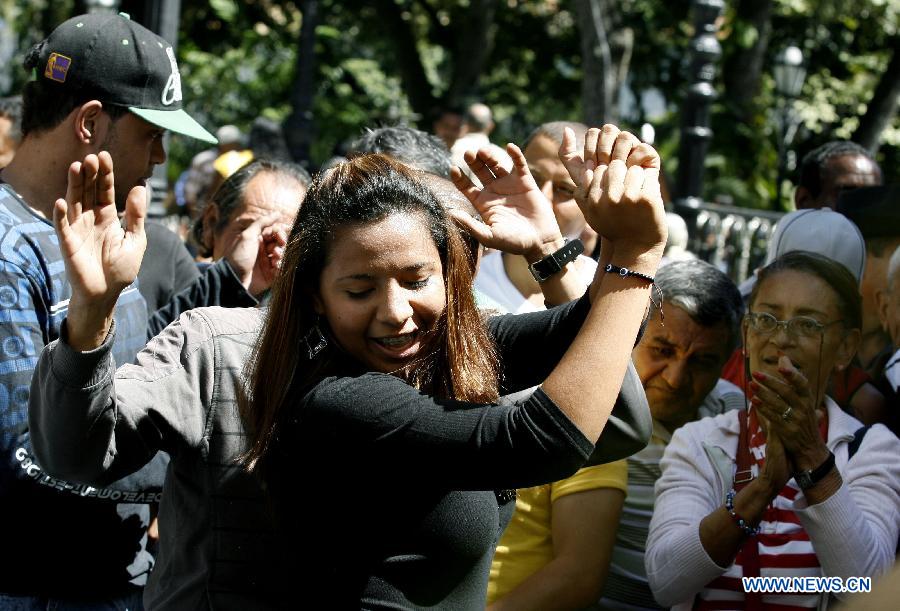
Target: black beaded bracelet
[(624, 272)]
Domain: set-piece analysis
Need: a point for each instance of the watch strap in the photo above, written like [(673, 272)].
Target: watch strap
[(808, 479), (553, 263)]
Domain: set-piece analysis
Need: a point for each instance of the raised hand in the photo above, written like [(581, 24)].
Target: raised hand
[(617, 187), (101, 257), (517, 218), (268, 262)]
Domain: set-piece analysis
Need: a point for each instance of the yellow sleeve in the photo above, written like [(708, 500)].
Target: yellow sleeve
[(612, 475)]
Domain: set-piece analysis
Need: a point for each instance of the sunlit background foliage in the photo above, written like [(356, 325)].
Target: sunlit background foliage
[(385, 61)]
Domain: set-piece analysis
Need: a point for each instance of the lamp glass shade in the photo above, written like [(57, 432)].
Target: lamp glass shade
[(789, 72)]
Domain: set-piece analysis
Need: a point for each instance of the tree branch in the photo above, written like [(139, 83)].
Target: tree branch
[(742, 72), (598, 82), (883, 105), (474, 38), (626, 38), (441, 33), (412, 72)]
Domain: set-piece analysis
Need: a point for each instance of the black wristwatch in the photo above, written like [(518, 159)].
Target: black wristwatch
[(551, 264), (808, 479)]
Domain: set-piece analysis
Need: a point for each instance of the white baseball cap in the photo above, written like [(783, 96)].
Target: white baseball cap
[(821, 231)]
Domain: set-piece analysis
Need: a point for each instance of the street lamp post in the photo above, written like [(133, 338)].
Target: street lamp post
[(695, 129), (790, 72)]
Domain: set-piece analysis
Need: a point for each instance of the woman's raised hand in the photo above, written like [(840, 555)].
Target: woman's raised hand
[(517, 217), (101, 257), (617, 187)]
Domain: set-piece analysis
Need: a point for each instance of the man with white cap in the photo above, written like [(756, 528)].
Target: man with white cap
[(821, 231), (104, 91), (830, 234)]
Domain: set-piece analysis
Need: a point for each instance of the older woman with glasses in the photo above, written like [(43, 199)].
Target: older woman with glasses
[(791, 487)]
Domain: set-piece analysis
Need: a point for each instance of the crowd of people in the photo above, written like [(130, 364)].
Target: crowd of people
[(437, 373)]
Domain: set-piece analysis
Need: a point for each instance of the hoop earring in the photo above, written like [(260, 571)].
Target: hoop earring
[(315, 340)]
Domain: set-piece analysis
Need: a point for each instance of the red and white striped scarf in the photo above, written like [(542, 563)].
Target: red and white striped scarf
[(784, 546)]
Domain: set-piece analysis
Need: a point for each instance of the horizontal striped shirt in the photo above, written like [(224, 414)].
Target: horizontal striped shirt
[(784, 546)]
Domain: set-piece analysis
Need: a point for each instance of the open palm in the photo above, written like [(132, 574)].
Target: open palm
[(517, 217), (101, 257)]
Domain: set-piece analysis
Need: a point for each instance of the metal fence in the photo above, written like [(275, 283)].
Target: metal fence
[(733, 239)]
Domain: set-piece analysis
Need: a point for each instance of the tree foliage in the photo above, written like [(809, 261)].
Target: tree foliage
[(386, 61)]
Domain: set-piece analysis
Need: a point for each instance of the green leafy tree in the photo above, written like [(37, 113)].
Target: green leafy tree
[(329, 68)]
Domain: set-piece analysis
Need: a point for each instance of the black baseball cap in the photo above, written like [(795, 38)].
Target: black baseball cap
[(121, 63)]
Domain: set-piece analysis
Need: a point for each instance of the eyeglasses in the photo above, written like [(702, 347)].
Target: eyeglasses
[(799, 326)]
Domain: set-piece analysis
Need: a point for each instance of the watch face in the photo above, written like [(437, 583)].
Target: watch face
[(808, 479)]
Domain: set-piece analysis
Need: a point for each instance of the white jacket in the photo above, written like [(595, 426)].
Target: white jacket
[(854, 532)]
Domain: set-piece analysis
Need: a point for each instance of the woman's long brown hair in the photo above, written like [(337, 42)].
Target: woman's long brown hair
[(460, 361)]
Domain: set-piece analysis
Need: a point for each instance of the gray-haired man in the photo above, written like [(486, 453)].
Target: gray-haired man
[(679, 364)]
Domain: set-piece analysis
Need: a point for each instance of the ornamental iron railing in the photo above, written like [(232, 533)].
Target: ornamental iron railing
[(731, 238)]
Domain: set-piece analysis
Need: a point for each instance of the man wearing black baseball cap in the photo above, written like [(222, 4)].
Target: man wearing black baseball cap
[(120, 63), (100, 83)]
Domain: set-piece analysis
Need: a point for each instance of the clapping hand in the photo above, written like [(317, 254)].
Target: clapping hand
[(777, 469), (788, 406), (517, 218), (617, 187)]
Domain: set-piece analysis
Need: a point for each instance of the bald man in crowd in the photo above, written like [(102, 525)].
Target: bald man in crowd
[(479, 125), (831, 169)]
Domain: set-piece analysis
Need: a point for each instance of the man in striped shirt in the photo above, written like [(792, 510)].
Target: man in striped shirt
[(679, 361)]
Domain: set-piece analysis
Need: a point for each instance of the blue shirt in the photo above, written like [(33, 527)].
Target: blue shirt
[(60, 537)]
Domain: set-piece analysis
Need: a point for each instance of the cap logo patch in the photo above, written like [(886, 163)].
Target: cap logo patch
[(172, 91), (57, 67)]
